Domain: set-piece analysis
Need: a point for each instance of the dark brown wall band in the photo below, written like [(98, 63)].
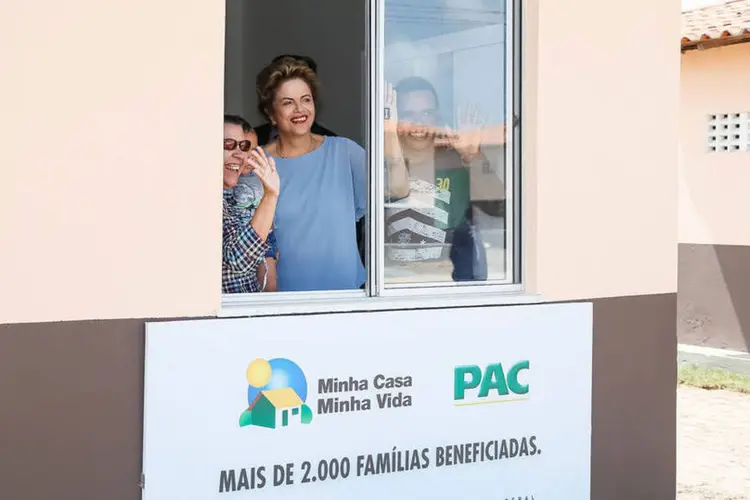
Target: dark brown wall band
[(714, 295), (634, 398), (72, 405), (72, 409)]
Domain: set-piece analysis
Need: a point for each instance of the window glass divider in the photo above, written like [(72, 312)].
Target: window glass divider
[(376, 226), (512, 172)]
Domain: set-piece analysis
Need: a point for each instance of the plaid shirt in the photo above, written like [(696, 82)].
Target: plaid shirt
[(242, 251)]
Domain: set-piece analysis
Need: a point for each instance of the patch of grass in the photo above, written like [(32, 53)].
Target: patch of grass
[(712, 379)]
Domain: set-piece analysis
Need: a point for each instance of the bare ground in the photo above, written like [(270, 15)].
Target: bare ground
[(713, 445)]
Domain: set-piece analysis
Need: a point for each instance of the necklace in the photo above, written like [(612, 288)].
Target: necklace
[(281, 154)]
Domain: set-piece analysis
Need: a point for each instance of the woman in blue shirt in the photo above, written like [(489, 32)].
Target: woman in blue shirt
[(323, 186)]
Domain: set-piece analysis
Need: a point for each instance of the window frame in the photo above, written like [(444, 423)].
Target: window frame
[(376, 294)]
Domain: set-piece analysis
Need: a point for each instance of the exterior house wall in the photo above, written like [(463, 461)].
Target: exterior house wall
[(601, 119), (131, 124), (109, 198), (714, 258)]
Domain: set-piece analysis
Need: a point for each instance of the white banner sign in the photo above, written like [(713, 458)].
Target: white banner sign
[(490, 402)]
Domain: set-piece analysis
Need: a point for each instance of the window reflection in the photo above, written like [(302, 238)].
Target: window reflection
[(445, 103)]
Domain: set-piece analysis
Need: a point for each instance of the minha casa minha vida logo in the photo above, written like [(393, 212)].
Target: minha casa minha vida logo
[(277, 394)]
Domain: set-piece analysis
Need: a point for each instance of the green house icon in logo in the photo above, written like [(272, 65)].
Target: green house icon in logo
[(279, 408), (277, 390)]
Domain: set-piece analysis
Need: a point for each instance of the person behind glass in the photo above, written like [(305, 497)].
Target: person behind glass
[(246, 228), (268, 133), (323, 185), (428, 206)]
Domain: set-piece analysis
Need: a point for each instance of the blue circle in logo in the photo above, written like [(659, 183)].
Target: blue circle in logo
[(284, 373)]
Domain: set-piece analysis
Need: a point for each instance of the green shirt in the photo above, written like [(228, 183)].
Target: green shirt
[(455, 182), (420, 227)]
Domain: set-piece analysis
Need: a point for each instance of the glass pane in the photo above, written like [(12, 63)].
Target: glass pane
[(444, 146)]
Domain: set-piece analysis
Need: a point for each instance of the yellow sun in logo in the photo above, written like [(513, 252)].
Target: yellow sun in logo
[(258, 373)]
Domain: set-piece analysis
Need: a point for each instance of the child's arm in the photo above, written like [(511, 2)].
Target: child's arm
[(267, 273), (272, 284)]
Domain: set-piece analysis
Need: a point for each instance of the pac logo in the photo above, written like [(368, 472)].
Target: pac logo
[(489, 384), (276, 394)]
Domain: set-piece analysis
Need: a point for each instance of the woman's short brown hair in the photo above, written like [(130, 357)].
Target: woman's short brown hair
[(278, 72)]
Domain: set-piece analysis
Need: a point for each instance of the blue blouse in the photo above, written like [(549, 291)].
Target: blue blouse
[(323, 195)]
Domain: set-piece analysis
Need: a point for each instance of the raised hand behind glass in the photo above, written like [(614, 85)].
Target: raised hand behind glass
[(467, 140), (390, 104), (264, 167)]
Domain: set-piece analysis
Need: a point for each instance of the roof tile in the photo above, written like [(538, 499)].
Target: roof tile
[(727, 20)]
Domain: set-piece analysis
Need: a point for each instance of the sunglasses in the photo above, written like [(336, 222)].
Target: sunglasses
[(232, 144)]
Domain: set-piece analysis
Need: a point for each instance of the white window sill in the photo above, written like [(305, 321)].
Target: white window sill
[(355, 301)]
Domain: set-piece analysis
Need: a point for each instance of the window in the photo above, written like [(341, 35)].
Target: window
[(729, 133), (424, 94), (446, 106)]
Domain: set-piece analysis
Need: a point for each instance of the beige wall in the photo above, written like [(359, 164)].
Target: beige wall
[(109, 200), (714, 187), (109, 191), (601, 154)]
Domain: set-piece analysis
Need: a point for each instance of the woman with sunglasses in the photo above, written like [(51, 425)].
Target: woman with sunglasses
[(246, 227)]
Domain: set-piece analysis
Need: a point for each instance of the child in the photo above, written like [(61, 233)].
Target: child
[(248, 193)]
